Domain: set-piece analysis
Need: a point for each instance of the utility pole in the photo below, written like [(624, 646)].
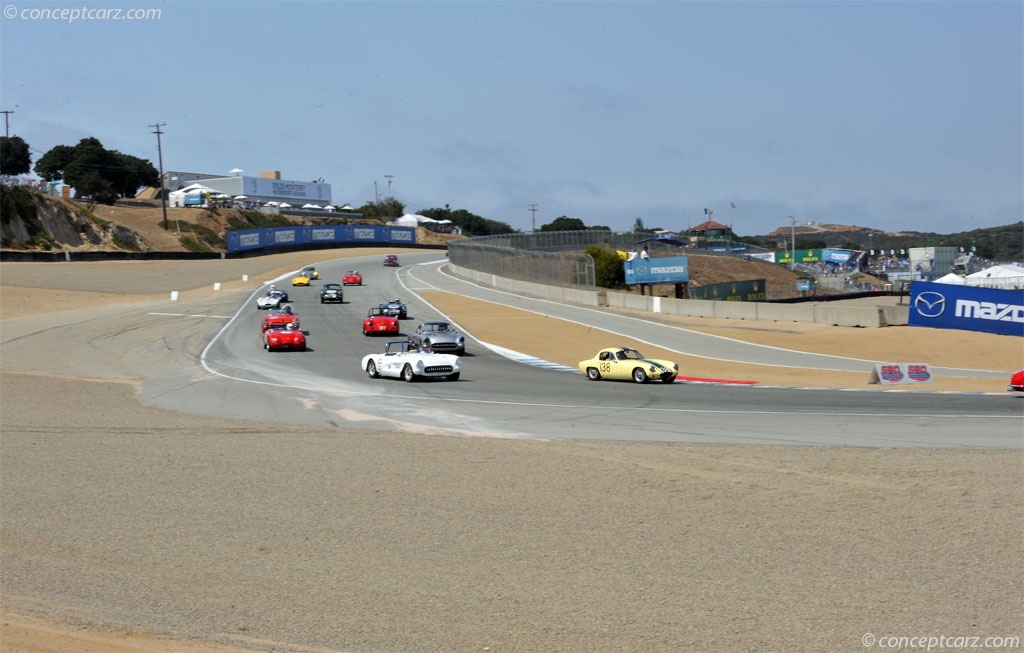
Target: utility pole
[(7, 123), (160, 155), (389, 178), (7, 126), (533, 217), (792, 235), (376, 195)]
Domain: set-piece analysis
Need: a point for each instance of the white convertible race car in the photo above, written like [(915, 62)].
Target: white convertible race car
[(273, 299), (404, 360)]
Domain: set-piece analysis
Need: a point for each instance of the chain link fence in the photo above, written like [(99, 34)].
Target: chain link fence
[(497, 255)]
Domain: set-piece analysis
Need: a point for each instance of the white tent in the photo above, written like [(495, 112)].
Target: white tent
[(284, 205), (411, 220), (311, 206), (193, 193), (192, 188), (952, 278), (998, 276)]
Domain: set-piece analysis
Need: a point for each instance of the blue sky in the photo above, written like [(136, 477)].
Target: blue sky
[(888, 115)]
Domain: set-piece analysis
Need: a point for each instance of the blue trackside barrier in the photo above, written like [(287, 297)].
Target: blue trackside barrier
[(319, 236)]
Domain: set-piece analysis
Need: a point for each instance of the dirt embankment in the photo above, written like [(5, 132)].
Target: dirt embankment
[(36, 221)]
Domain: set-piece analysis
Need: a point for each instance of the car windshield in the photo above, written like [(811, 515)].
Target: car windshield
[(629, 354)]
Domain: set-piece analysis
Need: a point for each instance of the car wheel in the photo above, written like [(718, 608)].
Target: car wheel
[(639, 375), (593, 374), (407, 374), (668, 379), (460, 352), (371, 370)]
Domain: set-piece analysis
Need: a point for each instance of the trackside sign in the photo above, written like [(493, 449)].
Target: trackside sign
[(901, 374), (296, 236), (673, 269), (945, 306)]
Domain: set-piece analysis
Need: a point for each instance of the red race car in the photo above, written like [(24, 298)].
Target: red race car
[(352, 278), (284, 338), (282, 317), (378, 322), (1017, 382), (391, 261)]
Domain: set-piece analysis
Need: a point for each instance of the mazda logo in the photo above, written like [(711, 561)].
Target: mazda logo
[(930, 304)]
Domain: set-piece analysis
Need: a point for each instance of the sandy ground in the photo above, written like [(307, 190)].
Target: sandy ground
[(782, 547)]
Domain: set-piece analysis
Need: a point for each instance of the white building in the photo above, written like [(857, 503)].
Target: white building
[(268, 187)]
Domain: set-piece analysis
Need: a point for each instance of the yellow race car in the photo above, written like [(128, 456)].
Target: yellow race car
[(625, 363), (301, 280)]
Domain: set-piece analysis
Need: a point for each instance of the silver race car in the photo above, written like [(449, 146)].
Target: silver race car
[(273, 299), (440, 337)]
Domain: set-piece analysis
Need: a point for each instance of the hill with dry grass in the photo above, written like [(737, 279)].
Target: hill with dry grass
[(32, 221)]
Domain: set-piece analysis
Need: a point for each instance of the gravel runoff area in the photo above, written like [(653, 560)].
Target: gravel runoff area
[(129, 528)]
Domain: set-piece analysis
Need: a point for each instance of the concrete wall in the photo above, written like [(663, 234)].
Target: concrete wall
[(817, 312)]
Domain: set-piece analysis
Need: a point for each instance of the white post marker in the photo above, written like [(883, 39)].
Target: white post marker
[(174, 295), (245, 277), (216, 286)]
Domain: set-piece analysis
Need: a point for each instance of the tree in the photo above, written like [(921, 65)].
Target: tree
[(93, 171), (638, 227), (468, 223), (134, 173), (564, 223), (96, 172), (51, 165), (387, 208), (14, 156)]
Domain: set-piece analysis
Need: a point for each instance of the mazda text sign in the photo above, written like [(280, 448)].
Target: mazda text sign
[(946, 306)]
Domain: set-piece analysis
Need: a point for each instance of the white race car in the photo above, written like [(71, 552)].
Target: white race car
[(273, 299), (403, 359)]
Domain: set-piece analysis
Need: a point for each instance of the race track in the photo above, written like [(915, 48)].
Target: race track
[(504, 397)]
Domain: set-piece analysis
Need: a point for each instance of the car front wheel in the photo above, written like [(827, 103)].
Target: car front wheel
[(639, 375), (407, 374), (593, 374), (454, 376), (371, 370)]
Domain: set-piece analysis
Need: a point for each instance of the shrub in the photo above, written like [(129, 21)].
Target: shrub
[(608, 269)]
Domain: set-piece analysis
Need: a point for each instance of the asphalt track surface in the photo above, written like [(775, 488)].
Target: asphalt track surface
[(498, 395)]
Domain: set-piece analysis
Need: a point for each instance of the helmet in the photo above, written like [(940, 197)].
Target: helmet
[(291, 325)]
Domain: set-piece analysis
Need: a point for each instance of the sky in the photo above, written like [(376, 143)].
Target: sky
[(897, 116)]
